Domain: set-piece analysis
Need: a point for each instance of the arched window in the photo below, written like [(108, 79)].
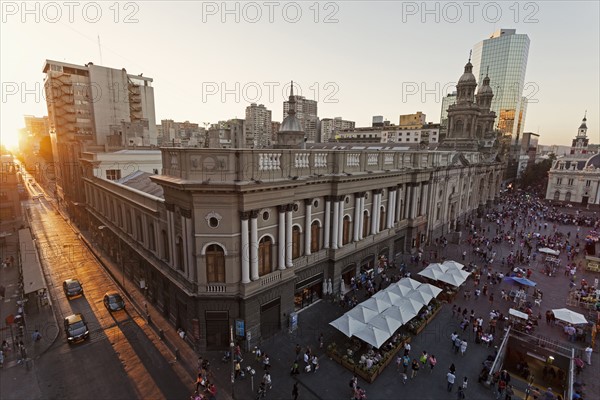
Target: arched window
[(382, 218), (315, 239), (264, 256), (215, 264), (346, 230), (165, 242), (179, 254), (140, 228), (366, 224), (152, 237), (557, 195), (296, 235), (568, 196), (458, 126)]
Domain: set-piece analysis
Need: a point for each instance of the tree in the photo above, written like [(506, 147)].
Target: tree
[(535, 176)]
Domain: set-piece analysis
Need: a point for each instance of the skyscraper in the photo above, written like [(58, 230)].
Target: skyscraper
[(503, 57), (258, 127)]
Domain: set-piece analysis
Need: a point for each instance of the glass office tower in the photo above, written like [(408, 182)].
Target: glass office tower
[(504, 55), (504, 58)]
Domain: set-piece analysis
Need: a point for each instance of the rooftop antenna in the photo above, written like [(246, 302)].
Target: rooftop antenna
[(100, 50)]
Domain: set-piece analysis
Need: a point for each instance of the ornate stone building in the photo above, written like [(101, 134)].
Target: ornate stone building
[(242, 235), (576, 178)]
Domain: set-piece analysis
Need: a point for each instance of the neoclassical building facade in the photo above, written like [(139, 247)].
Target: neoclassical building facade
[(244, 237), (575, 178)]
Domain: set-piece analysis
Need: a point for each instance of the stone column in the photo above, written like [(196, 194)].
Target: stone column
[(361, 216), (281, 239), (327, 223), (374, 213), (336, 223), (254, 244), (171, 232), (398, 215), (424, 198), (307, 226), (357, 213), (245, 254), (391, 207), (414, 204), (288, 228), (341, 220)]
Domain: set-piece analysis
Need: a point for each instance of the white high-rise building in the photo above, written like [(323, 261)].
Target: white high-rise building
[(329, 127), (258, 127)]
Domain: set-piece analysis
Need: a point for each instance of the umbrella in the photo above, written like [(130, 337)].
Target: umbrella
[(564, 314), (388, 296), (421, 297), (438, 267), (347, 325), (453, 264), (403, 315), (409, 283), (400, 290), (431, 273), (549, 251), (362, 314), (386, 323), (372, 335), (451, 279), (523, 281), (411, 305), (376, 304), (429, 289)]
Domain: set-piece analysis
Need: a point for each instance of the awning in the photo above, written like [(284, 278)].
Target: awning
[(33, 279), (518, 314), (523, 281), (549, 251)]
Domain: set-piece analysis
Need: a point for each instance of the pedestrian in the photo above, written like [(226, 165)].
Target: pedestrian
[(267, 380), (509, 392), (432, 362), (315, 363), (36, 336), (452, 368), (266, 362), (450, 377), (295, 368), (398, 362), (453, 310), (491, 299), (353, 383), (415, 368), (460, 394), (321, 341), (588, 355), (457, 343), (407, 348), (237, 368), (465, 383), (403, 378), (1, 358), (463, 347), (405, 363), (295, 391), (423, 358), (453, 338)]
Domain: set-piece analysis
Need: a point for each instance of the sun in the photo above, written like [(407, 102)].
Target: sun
[(9, 139)]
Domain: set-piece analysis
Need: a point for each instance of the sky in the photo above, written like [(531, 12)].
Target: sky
[(209, 60)]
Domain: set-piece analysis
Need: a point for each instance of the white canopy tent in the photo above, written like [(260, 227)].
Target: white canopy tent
[(421, 297), (386, 322), (564, 314), (388, 296), (347, 325), (376, 304), (453, 264), (362, 314), (401, 314), (546, 250), (409, 283), (434, 291), (372, 335)]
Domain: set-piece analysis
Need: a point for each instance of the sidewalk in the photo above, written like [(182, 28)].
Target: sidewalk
[(15, 377)]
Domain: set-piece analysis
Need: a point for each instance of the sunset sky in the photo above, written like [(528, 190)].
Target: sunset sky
[(357, 58)]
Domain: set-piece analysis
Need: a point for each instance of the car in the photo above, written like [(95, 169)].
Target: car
[(72, 288), (76, 328), (113, 301)]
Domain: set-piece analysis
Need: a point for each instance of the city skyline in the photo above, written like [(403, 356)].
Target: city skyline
[(354, 73)]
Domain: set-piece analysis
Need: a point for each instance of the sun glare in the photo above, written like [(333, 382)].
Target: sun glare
[(10, 140)]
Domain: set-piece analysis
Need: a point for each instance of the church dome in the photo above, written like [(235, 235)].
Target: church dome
[(291, 124), (485, 88), (467, 76)]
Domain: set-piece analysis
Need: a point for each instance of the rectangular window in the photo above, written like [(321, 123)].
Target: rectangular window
[(588, 183), (570, 182), (113, 174), (559, 181)]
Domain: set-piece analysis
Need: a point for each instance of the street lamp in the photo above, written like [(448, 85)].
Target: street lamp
[(119, 256)]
